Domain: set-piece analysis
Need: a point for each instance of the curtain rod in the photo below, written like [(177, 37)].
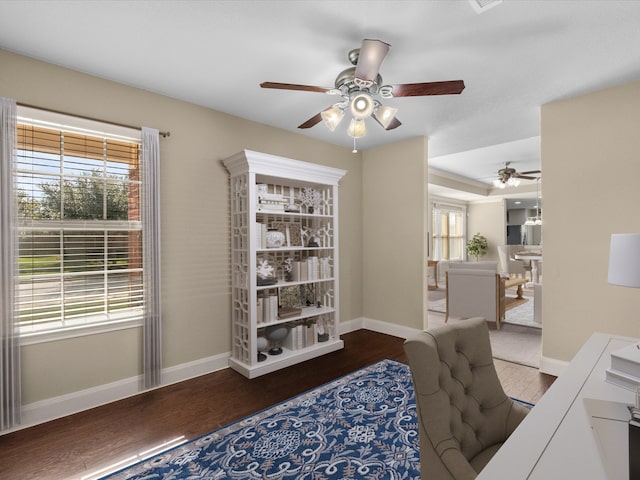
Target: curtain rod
[(162, 134)]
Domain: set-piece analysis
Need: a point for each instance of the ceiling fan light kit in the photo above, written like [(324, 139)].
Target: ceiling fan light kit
[(357, 128), (384, 115), (362, 105), (511, 182), (358, 87), (332, 116), (537, 220)]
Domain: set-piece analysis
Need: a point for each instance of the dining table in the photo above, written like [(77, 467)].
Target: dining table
[(534, 258)]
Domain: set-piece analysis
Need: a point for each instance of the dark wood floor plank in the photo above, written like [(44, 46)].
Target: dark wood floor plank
[(72, 446)]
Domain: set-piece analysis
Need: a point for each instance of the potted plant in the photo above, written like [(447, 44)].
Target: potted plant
[(477, 246)]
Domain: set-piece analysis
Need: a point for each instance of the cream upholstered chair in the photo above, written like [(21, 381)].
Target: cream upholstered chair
[(475, 289), (464, 416), (508, 266)]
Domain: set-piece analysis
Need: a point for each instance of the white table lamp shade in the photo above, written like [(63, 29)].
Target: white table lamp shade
[(624, 259)]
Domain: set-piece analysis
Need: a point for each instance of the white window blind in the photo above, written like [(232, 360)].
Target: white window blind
[(80, 234), (448, 232)]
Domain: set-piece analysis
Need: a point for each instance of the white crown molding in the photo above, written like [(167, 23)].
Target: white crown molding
[(451, 180), (448, 185)]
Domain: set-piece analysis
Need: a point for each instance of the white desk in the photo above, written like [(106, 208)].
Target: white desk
[(555, 441)]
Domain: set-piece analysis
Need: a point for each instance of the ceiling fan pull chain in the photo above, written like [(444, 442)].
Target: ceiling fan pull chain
[(355, 150)]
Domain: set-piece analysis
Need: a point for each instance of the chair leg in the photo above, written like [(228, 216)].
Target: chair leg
[(500, 300), (446, 310)]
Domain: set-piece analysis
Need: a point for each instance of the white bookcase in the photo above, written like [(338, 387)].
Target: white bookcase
[(284, 261)]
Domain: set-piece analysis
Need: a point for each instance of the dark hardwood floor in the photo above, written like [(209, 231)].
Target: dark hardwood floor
[(74, 446)]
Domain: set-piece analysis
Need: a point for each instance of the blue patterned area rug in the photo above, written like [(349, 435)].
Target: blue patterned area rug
[(362, 425)]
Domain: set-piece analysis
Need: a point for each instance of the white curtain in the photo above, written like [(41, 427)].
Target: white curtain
[(152, 334), (10, 391)]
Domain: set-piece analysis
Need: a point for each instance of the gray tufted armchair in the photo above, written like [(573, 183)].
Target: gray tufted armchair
[(464, 415)]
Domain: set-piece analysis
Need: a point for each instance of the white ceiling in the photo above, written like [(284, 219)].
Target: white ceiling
[(513, 58)]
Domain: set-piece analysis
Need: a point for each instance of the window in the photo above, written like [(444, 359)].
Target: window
[(448, 232), (79, 228)]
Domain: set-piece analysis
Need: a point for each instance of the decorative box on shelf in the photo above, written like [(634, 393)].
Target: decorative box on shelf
[(625, 367)]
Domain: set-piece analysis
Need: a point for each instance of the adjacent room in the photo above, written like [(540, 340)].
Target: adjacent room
[(233, 235)]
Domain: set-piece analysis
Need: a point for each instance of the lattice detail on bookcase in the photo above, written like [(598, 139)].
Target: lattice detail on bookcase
[(240, 269), (241, 325), (326, 202), (324, 235)]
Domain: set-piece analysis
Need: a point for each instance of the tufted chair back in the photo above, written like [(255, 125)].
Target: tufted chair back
[(464, 415)]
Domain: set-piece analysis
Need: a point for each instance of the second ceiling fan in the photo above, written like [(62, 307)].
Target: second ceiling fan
[(360, 85), (509, 176)]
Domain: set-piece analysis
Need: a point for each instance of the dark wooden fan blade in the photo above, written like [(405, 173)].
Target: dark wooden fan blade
[(372, 53), (525, 177), (530, 172), (311, 122), (293, 86), (450, 87)]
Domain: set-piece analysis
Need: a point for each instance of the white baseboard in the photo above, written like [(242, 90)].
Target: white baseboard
[(63, 405), (57, 407), (552, 366), (350, 326), (389, 328), (377, 326), (194, 369)]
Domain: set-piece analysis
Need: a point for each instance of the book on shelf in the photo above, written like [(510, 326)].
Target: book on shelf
[(312, 268), (310, 335), (304, 271), (260, 310), (325, 267), (265, 197), (291, 340), (261, 235), (287, 312), (296, 274), (301, 336), (270, 202), (270, 207), (270, 308)]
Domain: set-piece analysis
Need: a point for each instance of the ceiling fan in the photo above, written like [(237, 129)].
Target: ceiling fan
[(360, 85), (509, 176)]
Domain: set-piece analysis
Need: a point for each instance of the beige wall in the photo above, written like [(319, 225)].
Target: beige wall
[(591, 140), (195, 222), (488, 219), (591, 167), (394, 219)]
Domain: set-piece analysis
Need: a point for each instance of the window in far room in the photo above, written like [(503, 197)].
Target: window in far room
[(79, 227), (448, 232)]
